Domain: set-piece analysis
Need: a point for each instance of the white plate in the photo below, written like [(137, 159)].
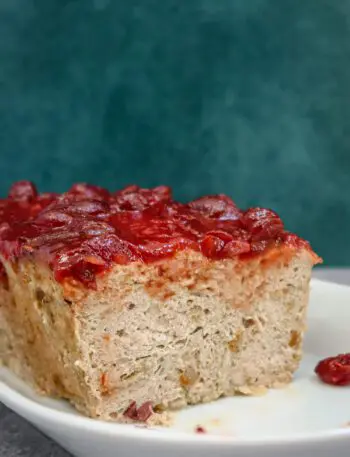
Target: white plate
[(305, 419)]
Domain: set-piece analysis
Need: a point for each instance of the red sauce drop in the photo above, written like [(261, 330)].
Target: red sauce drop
[(83, 232), (335, 370), (200, 429)]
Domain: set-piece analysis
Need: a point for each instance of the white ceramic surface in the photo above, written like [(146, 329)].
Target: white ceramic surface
[(305, 419)]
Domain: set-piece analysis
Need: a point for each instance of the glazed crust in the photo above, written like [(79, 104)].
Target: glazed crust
[(87, 230)]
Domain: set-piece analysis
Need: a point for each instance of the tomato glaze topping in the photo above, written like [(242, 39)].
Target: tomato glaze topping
[(84, 231), (334, 370)]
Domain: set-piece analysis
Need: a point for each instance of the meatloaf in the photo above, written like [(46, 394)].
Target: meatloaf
[(130, 303)]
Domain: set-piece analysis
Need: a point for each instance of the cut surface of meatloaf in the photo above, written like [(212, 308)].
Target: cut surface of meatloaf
[(130, 302)]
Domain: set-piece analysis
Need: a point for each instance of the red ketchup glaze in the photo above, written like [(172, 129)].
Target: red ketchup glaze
[(199, 429), (84, 231), (334, 370)]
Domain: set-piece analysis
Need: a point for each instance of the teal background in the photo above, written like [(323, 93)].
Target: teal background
[(247, 97)]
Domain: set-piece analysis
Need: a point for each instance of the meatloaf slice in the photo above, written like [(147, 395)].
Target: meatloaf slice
[(112, 299)]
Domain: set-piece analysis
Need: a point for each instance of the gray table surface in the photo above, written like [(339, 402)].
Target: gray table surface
[(19, 439)]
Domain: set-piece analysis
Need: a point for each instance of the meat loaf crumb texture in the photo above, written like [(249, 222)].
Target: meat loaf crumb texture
[(113, 298)]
